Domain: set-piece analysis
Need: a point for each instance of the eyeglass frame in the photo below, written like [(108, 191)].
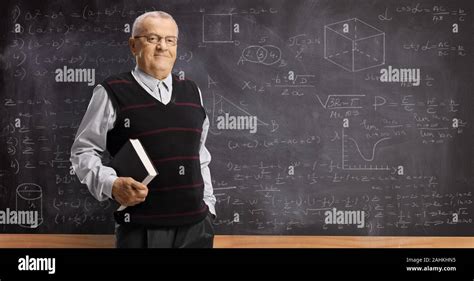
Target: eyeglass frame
[(159, 39)]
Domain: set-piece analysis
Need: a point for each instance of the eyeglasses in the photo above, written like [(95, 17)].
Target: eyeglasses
[(156, 39)]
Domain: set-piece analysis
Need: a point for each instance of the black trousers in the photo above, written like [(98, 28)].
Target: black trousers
[(199, 235)]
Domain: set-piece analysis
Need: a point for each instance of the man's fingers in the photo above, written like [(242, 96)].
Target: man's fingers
[(131, 192), (138, 185), (134, 201), (141, 192), (139, 198)]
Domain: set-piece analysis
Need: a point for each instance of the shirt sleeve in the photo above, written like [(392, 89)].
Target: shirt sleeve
[(90, 144), (205, 158)]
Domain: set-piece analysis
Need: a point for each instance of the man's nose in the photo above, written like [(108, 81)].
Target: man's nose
[(162, 44)]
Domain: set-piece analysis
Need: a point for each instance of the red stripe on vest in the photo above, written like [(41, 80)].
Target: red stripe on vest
[(187, 104), (167, 130), (167, 188), (177, 158), (137, 106), (119, 82)]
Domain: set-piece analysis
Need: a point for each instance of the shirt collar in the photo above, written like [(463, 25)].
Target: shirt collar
[(150, 81)]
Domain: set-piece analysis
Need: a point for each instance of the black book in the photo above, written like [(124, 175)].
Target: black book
[(133, 161)]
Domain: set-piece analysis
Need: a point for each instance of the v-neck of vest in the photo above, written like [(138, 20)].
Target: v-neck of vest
[(159, 103)]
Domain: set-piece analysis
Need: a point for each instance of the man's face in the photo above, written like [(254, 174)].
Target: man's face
[(155, 58)]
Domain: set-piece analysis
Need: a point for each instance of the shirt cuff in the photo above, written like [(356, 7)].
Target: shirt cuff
[(211, 207), (108, 183)]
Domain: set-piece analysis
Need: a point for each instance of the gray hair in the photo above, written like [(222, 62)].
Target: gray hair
[(155, 14)]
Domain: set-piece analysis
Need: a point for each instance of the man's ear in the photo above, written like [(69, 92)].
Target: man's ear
[(132, 45)]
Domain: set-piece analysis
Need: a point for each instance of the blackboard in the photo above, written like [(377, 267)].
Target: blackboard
[(338, 132)]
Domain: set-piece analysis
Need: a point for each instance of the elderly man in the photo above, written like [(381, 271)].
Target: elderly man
[(166, 114)]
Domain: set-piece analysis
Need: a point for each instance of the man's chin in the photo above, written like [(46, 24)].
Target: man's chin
[(166, 62), (162, 69)]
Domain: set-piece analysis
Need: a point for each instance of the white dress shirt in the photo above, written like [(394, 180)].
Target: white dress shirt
[(91, 139)]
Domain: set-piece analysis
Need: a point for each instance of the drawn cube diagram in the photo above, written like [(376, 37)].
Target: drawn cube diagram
[(217, 28), (354, 45)]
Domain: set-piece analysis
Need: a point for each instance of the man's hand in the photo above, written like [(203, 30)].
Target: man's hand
[(128, 191)]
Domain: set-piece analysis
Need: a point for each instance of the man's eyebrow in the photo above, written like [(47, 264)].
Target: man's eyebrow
[(160, 35)]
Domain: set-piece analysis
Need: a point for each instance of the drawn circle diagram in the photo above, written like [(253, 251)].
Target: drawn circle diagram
[(267, 54), (29, 197)]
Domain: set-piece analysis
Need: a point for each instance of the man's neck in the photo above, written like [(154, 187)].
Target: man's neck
[(160, 75)]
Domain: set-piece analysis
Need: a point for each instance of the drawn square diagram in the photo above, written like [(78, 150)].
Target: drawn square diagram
[(217, 28), (354, 45)]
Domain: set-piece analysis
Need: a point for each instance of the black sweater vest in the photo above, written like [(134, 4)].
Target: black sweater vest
[(171, 136)]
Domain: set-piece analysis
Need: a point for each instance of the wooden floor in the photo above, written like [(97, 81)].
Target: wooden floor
[(244, 241)]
